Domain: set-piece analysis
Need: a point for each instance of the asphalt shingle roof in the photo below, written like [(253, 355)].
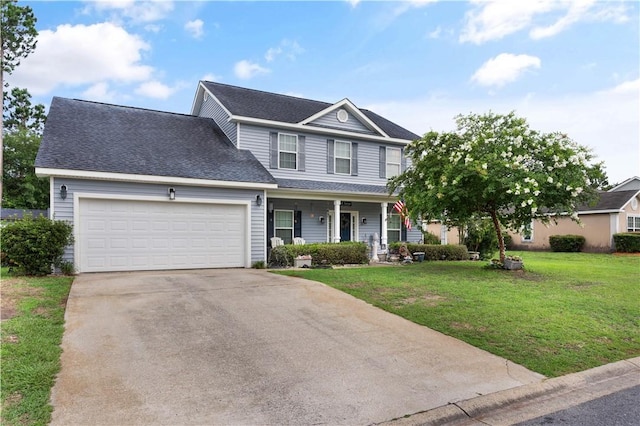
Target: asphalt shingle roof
[(611, 200), (287, 109), (91, 136)]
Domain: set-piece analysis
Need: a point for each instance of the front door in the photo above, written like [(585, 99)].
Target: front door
[(345, 226)]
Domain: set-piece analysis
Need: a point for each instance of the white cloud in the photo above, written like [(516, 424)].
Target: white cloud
[(353, 3), (195, 28), (628, 87), (211, 77), (290, 49), (132, 10), (607, 121), (493, 20), (99, 92), (245, 69), (504, 68), (435, 33), (155, 89), (74, 55), (576, 12)]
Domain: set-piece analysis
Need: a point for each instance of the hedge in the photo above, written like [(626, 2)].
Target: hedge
[(34, 245), (321, 254), (628, 242), (436, 251), (430, 238), (566, 243)]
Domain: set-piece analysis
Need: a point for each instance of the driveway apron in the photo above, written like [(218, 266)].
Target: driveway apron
[(240, 346)]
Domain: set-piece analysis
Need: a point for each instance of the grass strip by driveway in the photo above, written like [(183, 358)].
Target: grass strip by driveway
[(30, 346), (566, 312)]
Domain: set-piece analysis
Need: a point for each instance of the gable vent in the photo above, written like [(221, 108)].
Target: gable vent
[(342, 115)]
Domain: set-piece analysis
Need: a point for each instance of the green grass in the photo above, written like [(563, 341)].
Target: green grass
[(566, 312), (31, 348)]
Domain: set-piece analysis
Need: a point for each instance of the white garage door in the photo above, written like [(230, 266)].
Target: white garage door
[(116, 235)]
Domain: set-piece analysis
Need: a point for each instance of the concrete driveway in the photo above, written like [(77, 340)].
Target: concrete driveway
[(249, 347)]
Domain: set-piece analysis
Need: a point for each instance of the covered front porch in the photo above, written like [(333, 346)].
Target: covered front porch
[(333, 219)]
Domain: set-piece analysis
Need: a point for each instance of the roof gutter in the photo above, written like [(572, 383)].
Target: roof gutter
[(127, 177)]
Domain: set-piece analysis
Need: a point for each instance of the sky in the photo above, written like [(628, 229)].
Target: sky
[(571, 66)]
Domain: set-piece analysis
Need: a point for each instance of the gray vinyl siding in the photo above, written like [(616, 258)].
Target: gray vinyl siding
[(352, 124), (212, 109), (63, 209), (256, 139)]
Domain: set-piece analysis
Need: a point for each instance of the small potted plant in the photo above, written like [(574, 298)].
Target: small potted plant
[(513, 262)]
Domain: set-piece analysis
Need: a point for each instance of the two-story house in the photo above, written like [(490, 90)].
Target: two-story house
[(156, 190)]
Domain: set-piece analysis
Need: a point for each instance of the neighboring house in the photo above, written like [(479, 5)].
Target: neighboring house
[(156, 190), (616, 211)]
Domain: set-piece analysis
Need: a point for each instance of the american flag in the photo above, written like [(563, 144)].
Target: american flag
[(401, 208)]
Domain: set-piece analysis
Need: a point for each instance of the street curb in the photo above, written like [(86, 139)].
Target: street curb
[(526, 402)]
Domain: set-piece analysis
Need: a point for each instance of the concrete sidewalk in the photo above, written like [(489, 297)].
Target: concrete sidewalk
[(250, 347), (512, 406)]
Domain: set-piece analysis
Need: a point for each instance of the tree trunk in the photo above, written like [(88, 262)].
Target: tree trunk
[(497, 227)]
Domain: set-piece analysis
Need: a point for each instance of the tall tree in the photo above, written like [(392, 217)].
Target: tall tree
[(22, 135), (18, 38), (19, 113), (495, 166)]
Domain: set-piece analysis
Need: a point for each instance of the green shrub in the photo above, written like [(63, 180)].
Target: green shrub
[(321, 254), (566, 243), (430, 238), (35, 244), (435, 251), (508, 240), (259, 264), (67, 268), (481, 237), (627, 242)]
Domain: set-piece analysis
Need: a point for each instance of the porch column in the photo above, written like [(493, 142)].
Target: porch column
[(336, 221), (383, 237)]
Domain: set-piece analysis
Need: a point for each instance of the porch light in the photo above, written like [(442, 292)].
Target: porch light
[(258, 200), (172, 193), (63, 192), (364, 220), (321, 219)]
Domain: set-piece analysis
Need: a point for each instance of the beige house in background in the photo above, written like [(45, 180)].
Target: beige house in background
[(617, 210)]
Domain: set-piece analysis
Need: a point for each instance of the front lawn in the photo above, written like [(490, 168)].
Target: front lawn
[(31, 329), (566, 312)]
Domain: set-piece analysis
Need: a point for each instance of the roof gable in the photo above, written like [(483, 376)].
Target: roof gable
[(351, 111), (97, 137), (631, 183), (608, 201), (249, 103)]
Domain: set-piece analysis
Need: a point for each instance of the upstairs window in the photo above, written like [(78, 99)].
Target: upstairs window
[(343, 157), (393, 162), (287, 151)]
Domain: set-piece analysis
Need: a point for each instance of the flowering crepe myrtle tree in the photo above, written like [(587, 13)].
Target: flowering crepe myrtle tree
[(496, 166)]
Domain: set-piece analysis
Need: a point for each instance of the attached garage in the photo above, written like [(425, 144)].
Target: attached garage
[(133, 235)]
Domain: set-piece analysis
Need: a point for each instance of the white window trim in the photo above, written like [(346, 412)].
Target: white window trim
[(399, 163), (276, 228), (633, 228), (289, 152), (399, 230), (336, 158), (524, 238)]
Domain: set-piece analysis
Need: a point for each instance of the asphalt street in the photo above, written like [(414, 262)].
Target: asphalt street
[(617, 409)]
